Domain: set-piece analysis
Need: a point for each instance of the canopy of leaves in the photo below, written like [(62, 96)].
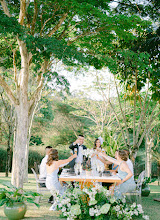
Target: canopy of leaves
[(74, 31)]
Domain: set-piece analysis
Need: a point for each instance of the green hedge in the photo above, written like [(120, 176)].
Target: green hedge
[(3, 157), (33, 157)]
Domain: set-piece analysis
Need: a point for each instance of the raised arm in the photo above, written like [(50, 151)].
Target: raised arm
[(72, 146), (110, 159), (103, 160), (61, 163)]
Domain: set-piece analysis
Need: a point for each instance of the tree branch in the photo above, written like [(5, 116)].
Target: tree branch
[(5, 8), (8, 91), (22, 11), (85, 34), (124, 118), (35, 96), (58, 25), (34, 16), (134, 115), (148, 127)]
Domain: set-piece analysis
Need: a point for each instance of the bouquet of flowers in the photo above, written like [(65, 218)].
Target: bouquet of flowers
[(88, 152), (95, 203)]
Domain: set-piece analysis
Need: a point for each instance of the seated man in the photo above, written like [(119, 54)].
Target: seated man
[(43, 172)]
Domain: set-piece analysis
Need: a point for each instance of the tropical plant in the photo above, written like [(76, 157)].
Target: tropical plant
[(95, 203), (147, 180), (13, 195)]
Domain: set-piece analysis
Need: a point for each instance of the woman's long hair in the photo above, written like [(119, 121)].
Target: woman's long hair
[(123, 155), (52, 156), (95, 144)]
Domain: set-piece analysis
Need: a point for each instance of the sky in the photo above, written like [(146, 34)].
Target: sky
[(83, 81)]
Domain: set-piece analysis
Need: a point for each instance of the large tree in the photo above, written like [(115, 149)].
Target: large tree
[(34, 33)]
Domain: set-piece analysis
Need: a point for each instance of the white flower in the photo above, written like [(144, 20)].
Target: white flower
[(131, 213), (91, 211), (70, 218), (136, 212), (124, 200), (139, 208), (112, 200), (63, 209), (117, 208), (60, 205), (133, 205), (69, 205), (146, 217), (75, 209), (120, 212)]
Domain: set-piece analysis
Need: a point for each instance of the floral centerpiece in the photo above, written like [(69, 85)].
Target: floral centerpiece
[(95, 203), (88, 153), (87, 159)]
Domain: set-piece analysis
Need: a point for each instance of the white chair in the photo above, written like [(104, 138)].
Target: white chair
[(40, 189), (137, 192)]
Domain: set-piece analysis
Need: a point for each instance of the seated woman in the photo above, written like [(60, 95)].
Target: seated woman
[(127, 183), (95, 160), (52, 167)]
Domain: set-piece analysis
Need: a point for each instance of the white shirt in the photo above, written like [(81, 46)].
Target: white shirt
[(130, 165), (79, 158), (43, 171)]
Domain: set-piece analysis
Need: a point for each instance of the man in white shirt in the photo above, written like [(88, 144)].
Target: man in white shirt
[(77, 145), (43, 172)]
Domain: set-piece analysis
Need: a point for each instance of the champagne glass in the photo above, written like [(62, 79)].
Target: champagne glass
[(76, 169), (71, 152), (75, 150)]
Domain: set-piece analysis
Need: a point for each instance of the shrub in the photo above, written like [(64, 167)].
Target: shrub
[(33, 157), (3, 158), (35, 140)]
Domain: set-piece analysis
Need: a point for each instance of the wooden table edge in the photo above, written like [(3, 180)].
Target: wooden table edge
[(89, 180)]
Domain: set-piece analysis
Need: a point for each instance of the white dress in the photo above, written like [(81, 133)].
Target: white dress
[(53, 184), (96, 162)]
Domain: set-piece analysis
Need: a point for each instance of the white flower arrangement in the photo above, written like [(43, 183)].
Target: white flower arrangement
[(95, 203), (87, 152)]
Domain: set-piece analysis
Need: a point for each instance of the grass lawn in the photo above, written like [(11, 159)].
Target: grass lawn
[(151, 207)]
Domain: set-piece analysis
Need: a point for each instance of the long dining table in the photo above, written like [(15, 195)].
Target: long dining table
[(91, 179)]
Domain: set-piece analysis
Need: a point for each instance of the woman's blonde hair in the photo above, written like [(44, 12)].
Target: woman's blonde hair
[(52, 156)]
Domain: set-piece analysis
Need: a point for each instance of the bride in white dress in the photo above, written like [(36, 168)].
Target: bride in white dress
[(95, 162), (52, 167)]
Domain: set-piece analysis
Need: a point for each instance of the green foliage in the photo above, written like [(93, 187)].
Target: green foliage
[(12, 194), (148, 180), (112, 142), (95, 203), (35, 140), (34, 156), (3, 157)]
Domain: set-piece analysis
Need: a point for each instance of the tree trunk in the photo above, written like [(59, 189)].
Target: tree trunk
[(8, 161), (148, 163), (19, 150), (22, 118)]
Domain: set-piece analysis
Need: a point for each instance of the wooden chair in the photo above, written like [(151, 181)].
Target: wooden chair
[(136, 194)]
